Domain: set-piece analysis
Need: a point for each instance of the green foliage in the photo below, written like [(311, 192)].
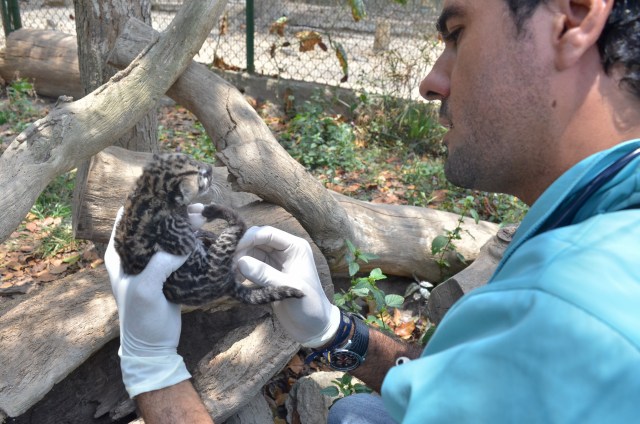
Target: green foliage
[(195, 142), (55, 202), (428, 186), (56, 199), (59, 238), (18, 110), (365, 291), (392, 121), (344, 386), (444, 244), (319, 140)]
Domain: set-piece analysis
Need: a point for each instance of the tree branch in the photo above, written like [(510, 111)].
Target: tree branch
[(76, 131)]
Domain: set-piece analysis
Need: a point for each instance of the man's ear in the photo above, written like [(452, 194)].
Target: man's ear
[(577, 27)]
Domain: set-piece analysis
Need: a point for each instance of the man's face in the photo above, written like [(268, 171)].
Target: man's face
[(494, 89)]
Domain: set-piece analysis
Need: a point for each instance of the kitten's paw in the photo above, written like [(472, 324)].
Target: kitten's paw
[(211, 212)]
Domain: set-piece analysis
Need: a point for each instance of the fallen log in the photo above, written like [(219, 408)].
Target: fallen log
[(47, 58)]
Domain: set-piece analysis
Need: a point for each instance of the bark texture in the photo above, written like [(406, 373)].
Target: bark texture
[(98, 25)]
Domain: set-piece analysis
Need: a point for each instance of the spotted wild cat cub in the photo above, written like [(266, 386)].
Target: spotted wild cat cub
[(156, 217)]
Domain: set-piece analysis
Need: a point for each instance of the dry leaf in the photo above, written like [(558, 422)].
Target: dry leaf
[(296, 364), (32, 226), (352, 188), (309, 40), (334, 187), (281, 398), (224, 24), (58, 269), (96, 263), (278, 26), (14, 265), (405, 330), (38, 267), (46, 277)]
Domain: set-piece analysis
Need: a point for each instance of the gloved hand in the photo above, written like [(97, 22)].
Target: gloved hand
[(272, 257), (149, 324), (195, 216)]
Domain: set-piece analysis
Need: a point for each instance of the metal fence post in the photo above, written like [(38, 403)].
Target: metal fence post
[(10, 16), (250, 36)]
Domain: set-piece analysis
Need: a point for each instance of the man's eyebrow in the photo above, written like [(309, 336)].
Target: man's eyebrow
[(447, 13)]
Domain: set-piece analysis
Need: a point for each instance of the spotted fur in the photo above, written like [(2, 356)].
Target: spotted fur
[(156, 218)]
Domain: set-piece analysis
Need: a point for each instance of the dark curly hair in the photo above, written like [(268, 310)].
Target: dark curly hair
[(619, 42)]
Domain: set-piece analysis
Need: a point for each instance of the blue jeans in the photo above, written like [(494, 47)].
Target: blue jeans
[(359, 409)]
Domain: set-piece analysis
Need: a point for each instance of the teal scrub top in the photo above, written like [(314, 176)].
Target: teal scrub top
[(555, 334)]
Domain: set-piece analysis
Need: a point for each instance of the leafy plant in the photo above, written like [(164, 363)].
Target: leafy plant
[(390, 121), (319, 140), (364, 291), (443, 244), (344, 386), (18, 110)]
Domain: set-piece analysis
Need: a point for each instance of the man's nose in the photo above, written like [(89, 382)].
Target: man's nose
[(436, 85)]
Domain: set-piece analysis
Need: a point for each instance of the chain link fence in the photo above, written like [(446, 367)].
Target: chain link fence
[(388, 51)]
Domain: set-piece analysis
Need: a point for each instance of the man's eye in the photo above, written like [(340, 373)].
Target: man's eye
[(452, 37)]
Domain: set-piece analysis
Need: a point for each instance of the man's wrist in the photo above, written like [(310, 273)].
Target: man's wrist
[(348, 349)]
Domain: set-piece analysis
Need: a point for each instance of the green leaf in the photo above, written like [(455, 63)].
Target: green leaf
[(438, 244), (474, 215), (350, 246), (71, 259), (427, 335), (361, 388), (376, 274), (361, 292), (358, 10), (345, 379), (394, 300), (341, 54), (366, 257), (353, 268), (362, 282), (331, 391), (378, 295)]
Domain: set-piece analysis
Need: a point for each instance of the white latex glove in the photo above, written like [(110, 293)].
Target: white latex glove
[(195, 216), (149, 324), (272, 257)]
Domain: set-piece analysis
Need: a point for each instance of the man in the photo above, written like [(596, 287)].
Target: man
[(542, 101)]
